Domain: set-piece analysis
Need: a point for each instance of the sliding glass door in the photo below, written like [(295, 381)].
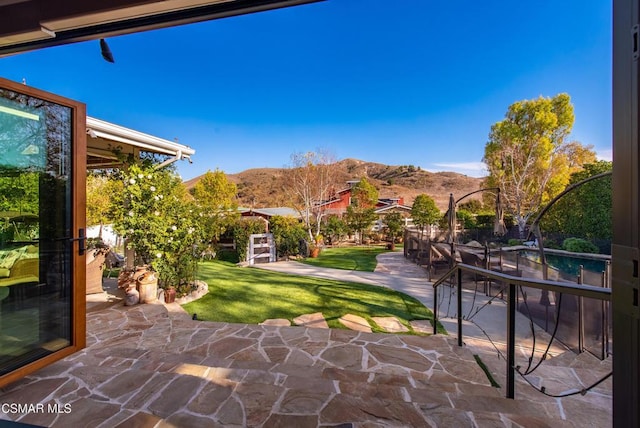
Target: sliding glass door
[(41, 228)]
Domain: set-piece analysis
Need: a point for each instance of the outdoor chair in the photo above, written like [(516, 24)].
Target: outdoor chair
[(95, 266), (474, 259), (440, 257)]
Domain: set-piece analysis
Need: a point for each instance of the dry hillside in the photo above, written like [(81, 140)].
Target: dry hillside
[(264, 187)]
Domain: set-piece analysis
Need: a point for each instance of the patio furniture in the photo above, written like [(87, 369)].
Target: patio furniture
[(95, 266)]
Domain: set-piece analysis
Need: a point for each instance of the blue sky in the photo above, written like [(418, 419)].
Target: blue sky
[(409, 82)]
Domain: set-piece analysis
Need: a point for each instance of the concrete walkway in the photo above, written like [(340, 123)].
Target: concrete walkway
[(395, 272)]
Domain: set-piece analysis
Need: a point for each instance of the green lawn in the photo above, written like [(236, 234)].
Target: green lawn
[(250, 295), (349, 258)]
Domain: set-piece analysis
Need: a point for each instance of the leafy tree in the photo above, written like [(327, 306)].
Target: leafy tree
[(334, 229), (215, 195), (361, 214), (424, 212), (359, 220), (20, 193), (586, 210), (101, 190), (393, 225), (467, 218), (310, 182), (364, 194), (529, 156), (472, 206), (159, 221), (287, 233)]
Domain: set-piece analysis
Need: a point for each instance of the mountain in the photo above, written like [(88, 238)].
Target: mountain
[(264, 187)]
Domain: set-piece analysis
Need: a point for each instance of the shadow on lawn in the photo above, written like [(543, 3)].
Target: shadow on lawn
[(244, 295)]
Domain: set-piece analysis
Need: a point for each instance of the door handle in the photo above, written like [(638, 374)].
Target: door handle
[(82, 238)]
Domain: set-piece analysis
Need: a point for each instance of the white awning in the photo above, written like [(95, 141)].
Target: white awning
[(106, 140)]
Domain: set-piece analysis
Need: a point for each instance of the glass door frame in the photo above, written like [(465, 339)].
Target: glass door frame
[(78, 220)]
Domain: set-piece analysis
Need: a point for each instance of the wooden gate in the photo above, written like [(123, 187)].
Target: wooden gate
[(262, 248)]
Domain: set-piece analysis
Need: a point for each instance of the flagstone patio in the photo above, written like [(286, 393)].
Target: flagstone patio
[(153, 366)]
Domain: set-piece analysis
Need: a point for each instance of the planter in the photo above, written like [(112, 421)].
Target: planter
[(170, 295), (147, 285), (315, 252)]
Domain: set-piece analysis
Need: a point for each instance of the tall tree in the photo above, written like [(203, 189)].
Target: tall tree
[(584, 212), (361, 213), (310, 182), (529, 155), (424, 212), (216, 197), (393, 226)]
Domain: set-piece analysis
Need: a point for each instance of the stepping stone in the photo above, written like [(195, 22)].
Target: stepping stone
[(355, 322), (315, 320), (390, 324), (422, 326), (276, 322)]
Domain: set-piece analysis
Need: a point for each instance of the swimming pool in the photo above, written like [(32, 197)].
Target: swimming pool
[(565, 263)]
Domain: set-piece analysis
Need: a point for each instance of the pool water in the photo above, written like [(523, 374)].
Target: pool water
[(567, 264)]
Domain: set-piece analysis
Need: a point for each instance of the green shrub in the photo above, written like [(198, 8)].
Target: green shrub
[(550, 243), (512, 242), (230, 256), (579, 245), (287, 232)]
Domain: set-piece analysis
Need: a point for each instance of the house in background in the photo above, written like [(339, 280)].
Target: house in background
[(342, 199), (266, 213)]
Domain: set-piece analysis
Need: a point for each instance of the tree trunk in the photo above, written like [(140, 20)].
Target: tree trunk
[(522, 227)]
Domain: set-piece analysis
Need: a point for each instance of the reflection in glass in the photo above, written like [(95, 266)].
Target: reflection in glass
[(35, 227)]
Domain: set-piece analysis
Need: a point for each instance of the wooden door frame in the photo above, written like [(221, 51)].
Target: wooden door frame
[(78, 207)]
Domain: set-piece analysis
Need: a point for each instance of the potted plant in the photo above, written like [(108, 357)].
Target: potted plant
[(315, 247)]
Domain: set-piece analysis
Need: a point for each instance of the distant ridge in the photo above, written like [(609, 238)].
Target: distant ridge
[(264, 187)]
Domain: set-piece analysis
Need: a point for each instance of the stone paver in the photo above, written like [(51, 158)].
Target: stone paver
[(390, 324), (315, 320), (422, 326), (276, 322), (355, 322)]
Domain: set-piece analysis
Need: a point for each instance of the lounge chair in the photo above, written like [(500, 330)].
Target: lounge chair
[(439, 257)]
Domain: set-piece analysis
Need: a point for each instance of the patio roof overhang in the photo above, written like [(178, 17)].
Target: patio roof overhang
[(27, 25), (108, 144)]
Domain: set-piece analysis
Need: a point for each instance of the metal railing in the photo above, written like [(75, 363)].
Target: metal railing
[(588, 291)]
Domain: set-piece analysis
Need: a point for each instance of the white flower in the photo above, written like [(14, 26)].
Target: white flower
[(132, 181), (130, 213), (152, 188), (140, 175), (158, 255), (156, 213), (174, 228), (161, 196), (191, 230), (156, 198), (149, 176)]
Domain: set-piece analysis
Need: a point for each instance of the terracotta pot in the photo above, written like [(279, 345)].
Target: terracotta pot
[(315, 252), (170, 295)]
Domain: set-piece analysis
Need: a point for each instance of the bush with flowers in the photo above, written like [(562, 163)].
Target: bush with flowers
[(160, 222)]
